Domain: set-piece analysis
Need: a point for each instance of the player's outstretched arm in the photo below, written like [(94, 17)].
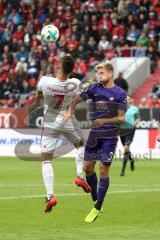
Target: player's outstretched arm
[(68, 115)]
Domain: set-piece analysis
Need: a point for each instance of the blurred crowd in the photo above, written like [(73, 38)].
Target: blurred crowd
[(153, 98), (89, 30), (150, 102)]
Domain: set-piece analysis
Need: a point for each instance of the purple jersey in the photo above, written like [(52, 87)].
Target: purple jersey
[(106, 102), (101, 142)]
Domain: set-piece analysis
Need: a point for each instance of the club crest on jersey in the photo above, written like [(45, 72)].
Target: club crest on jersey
[(111, 99)]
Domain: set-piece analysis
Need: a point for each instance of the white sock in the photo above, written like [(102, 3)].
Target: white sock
[(48, 177), (80, 161)]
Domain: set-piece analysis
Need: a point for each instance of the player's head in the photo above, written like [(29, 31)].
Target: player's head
[(105, 72), (129, 101), (67, 64)]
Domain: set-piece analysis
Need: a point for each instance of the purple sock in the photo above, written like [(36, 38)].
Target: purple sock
[(102, 190), (92, 182)]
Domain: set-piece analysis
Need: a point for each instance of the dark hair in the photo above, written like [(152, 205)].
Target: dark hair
[(67, 64)]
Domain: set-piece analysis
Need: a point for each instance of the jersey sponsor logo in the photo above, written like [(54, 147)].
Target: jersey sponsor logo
[(101, 106)]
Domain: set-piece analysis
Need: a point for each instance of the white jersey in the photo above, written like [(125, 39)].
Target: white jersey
[(57, 96)]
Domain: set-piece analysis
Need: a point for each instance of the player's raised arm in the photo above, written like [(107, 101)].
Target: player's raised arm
[(83, 96), (77, 99)]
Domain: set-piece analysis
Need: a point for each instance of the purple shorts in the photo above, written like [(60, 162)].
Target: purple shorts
[(101, 149)]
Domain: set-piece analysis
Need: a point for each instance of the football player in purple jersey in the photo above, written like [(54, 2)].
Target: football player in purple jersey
[(109, 107)]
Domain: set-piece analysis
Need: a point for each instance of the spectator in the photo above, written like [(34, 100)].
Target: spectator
[(143, 40), (156, 89), (92, 46), (80, 68), (94, 32), (72, 41), (82, 53), (121, 82), (140, 51), (19, 33), (132, 7), (152, 54), (103, 43), (22, 53), (14, 16), (153, 102), (132, 35), (146, 4), (143, 103), (91, 32), (21, 64)]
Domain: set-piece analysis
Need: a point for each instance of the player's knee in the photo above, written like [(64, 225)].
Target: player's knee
[(126, 148), (46, 156), (88, 168), (104, 170)]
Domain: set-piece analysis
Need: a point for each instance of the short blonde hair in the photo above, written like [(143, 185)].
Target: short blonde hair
[(106, 65)]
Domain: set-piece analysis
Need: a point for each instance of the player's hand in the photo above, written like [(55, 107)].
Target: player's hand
[(158, 138), (98, 123), (67, 116)]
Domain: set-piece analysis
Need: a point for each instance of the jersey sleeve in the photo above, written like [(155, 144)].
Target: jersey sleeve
[(40, 85), (77, 83), (88, 93), (122, 101)]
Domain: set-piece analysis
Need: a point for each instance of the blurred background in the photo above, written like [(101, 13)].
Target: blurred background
[(125, 32)]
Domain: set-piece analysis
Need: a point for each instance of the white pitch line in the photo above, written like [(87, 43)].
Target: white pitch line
[(72, 184), (33, 185), (79, 194)]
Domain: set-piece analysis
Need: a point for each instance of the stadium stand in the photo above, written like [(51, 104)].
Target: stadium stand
[(90, 31)]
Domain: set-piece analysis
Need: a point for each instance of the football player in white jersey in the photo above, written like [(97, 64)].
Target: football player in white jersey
[(57, 94)]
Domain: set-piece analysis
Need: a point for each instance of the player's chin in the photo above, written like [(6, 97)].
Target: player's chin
[(104, 81)]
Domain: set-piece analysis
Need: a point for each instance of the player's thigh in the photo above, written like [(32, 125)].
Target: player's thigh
[(49, 141), (123, 133), (129, 137), (123, 140), (73, 133), (89, 166), (108, 148)]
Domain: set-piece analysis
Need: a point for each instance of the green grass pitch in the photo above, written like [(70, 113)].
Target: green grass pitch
[(131, 209)]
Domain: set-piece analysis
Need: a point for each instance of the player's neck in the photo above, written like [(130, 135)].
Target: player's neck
[(62, 77), (109, 84)]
